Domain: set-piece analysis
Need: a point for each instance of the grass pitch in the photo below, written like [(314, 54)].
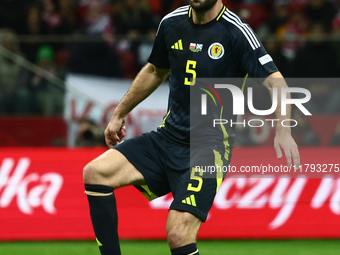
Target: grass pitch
[(220, 247)]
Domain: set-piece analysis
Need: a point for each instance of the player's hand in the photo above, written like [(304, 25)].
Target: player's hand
[(115, 132), (283, 141)]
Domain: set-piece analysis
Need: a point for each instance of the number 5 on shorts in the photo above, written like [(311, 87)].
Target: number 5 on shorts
[(197, 178)]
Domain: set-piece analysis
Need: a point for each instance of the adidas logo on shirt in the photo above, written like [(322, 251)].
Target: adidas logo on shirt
[(178, 45)]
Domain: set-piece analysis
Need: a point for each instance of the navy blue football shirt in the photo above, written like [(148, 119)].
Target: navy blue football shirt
[(225, 47)]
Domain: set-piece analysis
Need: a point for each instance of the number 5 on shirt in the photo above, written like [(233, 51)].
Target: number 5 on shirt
[(191, 65)]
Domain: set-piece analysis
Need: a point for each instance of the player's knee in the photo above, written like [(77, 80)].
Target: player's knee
[(176, 237), (180, 235), (181, 229), (91, 174)]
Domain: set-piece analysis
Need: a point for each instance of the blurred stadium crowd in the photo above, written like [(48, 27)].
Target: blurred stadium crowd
[(113, 38)]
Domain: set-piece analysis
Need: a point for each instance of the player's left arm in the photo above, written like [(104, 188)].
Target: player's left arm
[(283, 140)]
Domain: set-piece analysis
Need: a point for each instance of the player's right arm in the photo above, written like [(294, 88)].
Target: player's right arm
[(147, 81), (283, 140)]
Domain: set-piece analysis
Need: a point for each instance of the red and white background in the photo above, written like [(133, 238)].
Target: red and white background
[(95, 98), (42, 198), (42, 194)]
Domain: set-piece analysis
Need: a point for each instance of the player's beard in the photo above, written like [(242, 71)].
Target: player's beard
[(202, 5)]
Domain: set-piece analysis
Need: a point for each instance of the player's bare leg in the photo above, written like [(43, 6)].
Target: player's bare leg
[(112, 169), (109, 171), (182, 229)]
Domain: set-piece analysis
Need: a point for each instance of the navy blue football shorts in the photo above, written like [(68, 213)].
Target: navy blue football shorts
[(193, 175)]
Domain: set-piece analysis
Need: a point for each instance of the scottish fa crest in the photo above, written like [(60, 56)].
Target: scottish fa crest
[(216, 51)]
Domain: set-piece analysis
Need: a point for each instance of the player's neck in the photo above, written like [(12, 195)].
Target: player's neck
[(201, 18)]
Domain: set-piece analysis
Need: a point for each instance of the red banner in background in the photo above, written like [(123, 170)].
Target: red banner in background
[(42, 198)]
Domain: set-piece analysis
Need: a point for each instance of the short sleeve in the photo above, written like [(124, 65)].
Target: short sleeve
[(159, 55), (254, 58)]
